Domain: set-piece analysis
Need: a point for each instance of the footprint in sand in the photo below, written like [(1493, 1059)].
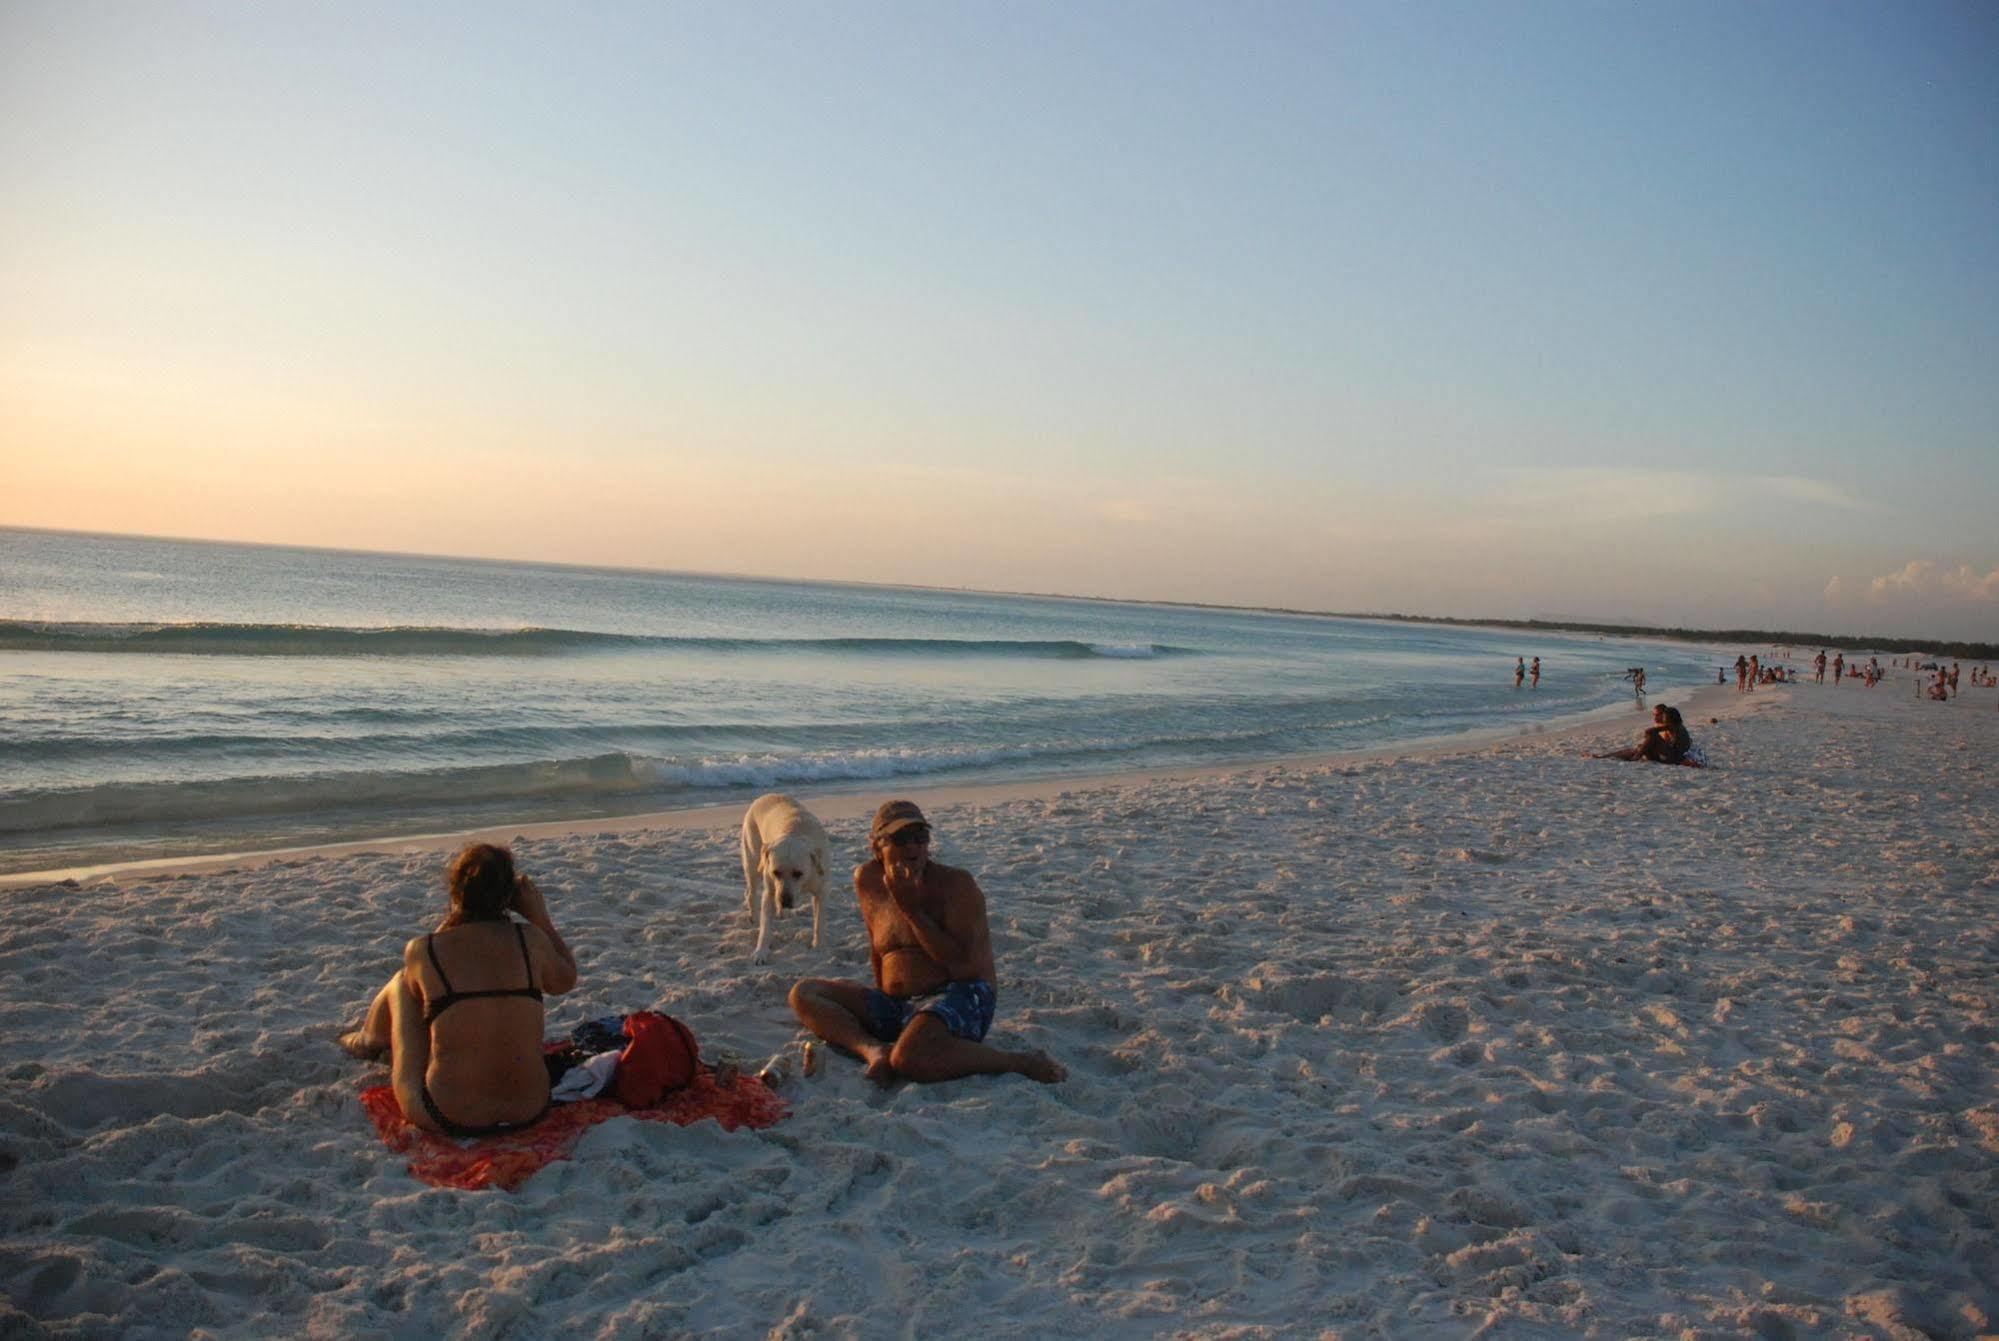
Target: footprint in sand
[(1443, 1021)]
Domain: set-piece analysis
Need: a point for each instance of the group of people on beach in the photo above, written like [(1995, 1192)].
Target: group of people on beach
[(1941, 686), (461, 1021), (1522, 672), (1943, 682), (1946, 679), (1869, 674), (1750, 671)]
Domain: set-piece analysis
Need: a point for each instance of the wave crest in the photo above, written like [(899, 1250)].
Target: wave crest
[(319, 640)]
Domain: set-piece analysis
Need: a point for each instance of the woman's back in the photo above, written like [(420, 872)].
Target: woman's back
[(482, 1005), (461, 1020)]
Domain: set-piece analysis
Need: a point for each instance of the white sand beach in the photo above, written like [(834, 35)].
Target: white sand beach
[(1494, 1040)]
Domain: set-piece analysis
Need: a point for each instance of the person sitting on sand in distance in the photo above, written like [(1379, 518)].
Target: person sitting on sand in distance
[(927, 1015), (1666, 741), (462, 1019)]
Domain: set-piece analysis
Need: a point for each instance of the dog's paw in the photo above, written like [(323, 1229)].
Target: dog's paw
[(760, 957)]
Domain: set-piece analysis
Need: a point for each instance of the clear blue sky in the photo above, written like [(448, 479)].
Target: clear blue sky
[(1685, 312)]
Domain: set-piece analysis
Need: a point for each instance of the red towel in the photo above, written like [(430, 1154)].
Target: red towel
[(506, 1161)]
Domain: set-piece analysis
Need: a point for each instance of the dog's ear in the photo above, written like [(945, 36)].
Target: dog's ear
[(819, 864)]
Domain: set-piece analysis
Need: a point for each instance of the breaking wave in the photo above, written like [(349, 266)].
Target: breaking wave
[(316, 640)]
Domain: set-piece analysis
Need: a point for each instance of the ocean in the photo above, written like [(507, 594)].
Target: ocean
[(164, 698)]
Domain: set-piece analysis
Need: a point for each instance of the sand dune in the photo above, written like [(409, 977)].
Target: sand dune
[(1499, 1040)]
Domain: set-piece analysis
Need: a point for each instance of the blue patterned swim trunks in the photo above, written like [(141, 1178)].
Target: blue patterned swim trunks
[(966, 1007)]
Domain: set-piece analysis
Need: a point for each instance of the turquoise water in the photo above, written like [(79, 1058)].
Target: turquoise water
[(172, 697)]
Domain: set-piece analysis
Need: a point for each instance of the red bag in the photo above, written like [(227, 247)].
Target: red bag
[(662, 1057)]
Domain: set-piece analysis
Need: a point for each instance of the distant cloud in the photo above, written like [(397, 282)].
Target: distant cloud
[(1806, 491), (1621, 494), (1919, 580), (1606, 494)]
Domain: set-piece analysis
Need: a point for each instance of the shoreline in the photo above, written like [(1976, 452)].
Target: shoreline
[(852, 802)]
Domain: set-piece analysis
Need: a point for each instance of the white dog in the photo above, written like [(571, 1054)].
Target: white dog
[(784, 855)]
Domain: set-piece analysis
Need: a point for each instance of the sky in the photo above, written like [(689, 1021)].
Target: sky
[(1678, 313)]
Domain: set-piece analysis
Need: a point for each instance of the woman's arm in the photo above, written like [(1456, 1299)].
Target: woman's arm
[(560, 976), (409, 1048)]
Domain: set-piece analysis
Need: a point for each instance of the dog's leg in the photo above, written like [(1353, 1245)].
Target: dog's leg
[(815, 919), (750, 856), (761, 955)]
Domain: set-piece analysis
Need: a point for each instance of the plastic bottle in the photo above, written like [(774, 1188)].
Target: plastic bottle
[(777, 1070)]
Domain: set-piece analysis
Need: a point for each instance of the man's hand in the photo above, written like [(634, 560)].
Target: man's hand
[(903, 882), (904, 885)]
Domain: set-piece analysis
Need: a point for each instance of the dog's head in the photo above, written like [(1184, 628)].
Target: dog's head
[(792, 865)]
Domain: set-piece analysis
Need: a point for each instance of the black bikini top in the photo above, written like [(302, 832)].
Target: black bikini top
[(452, 996)]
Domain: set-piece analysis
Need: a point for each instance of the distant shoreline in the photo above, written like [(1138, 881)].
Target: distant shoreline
[(1960, 649), (856, 799)]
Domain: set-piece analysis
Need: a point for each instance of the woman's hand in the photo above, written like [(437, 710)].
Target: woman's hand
[(528, 901)]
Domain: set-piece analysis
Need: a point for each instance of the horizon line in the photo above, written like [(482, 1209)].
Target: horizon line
[(1576, 625)]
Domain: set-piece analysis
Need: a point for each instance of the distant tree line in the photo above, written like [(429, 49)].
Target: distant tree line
[(1961, 651)]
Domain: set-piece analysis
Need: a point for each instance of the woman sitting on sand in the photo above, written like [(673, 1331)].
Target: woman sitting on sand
[(1666, 741), (462, 1020)]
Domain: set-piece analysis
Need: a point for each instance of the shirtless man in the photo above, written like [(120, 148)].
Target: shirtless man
[(927, 1015)]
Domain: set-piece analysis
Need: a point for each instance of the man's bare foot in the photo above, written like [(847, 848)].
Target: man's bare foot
[(1040, 1066), (878, 1068), (356, 1043)]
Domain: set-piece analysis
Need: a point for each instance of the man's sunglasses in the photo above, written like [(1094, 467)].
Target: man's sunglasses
[(916, 835)]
